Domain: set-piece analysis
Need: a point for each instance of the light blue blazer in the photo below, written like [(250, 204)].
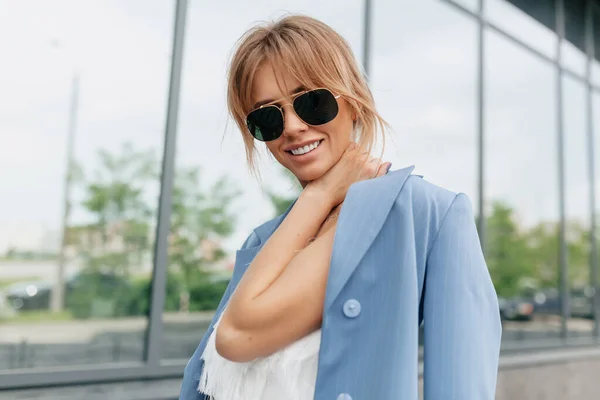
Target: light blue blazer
[(406, 252)]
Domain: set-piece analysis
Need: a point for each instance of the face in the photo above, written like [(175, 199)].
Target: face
[(333, 137)]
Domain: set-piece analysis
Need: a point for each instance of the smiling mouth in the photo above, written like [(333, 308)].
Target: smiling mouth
[(305, 149)]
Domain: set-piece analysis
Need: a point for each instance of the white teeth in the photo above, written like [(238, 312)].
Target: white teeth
[(305, 149)]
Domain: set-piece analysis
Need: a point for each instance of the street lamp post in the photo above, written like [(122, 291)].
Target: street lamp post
[(367, 37), (58, 292)]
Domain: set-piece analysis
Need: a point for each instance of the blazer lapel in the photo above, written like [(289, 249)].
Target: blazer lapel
[(244, 256), (363, 213)]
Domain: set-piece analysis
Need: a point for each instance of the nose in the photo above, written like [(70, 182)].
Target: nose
[(292, 124)]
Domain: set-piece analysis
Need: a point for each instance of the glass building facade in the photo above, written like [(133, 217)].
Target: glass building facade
[(125, 191)]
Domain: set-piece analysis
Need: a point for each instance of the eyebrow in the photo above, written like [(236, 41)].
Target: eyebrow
[(263, 102)]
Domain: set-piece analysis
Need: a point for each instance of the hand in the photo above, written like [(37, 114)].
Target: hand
[(354, 165)]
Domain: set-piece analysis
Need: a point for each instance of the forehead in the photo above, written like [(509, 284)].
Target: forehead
[(272, 84)]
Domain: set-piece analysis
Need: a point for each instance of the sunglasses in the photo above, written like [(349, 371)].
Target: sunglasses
[(314, 107)]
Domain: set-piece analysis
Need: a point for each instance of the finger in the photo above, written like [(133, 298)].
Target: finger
[(373, 167), (374, 164), (379, 169), (384, 168)]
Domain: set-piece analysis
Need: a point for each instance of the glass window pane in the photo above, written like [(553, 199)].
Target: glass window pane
[(573, 47), (424, 83), (596, 35), (119, 77), (575, 22), (471, 5), (521, 189), (523, 26), (573, 58), (596, 129), (596, 73), (577, 206), (216, 201)]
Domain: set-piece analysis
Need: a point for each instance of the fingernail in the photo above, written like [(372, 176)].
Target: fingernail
[(388, 168)]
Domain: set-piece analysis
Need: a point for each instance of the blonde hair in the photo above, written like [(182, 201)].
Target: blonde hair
[(316, 56)]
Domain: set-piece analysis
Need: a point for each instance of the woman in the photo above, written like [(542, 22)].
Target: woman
[(326, 300)]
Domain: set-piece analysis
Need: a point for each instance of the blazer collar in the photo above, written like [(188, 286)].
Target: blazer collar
[(265, 230), (363, 213), (391, 181), (244, 256)]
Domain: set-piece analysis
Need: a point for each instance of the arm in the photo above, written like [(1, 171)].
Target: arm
[(280, 297), (461, 317)]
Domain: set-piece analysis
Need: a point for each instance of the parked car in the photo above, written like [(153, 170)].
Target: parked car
[(548, 302), (582, 302), (515, 309), (36, 295), (25, 296), (6, 310)]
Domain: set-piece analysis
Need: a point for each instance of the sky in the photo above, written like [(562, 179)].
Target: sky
[(423, 76)]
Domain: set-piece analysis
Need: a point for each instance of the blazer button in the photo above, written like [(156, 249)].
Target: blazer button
[(351, 308), (344, 396)]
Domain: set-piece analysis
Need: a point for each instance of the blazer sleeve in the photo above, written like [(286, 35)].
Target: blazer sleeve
[(193, 369), (462, 328)]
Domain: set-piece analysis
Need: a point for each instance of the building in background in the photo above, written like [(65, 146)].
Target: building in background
[(497, 99)]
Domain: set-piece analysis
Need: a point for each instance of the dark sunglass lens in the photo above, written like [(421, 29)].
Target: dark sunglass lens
[(265, 124), (316, 107)]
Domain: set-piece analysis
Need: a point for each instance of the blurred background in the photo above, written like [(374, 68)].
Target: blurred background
[(125, 194)]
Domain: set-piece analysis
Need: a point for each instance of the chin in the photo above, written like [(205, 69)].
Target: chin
[(310, 173)]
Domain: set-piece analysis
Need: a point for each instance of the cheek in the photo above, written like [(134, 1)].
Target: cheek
[(274, 148), (343, 130), (344, 123)]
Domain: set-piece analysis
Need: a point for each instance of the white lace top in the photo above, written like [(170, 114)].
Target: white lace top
[(288, 374)]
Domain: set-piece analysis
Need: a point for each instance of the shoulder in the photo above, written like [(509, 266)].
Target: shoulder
[(429, 204), (423, 194), (426, 195)]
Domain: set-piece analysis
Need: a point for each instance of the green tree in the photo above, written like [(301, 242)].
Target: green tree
[(578, 250), (119, 237), (507, 253), (543, 241), (543, 244), (117, 240), (198, 217), (117, 199)]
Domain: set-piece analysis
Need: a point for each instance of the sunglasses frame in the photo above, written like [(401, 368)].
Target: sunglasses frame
[(291, 102)]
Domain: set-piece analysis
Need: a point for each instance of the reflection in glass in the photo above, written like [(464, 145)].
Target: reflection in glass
[(573, 47), (425, 87), (537, 32), (577, 206), (596, 73), (573, 59), (216, 201), (596, 50), (112, 85), (470, 5), (596, 137), (521, 189)]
